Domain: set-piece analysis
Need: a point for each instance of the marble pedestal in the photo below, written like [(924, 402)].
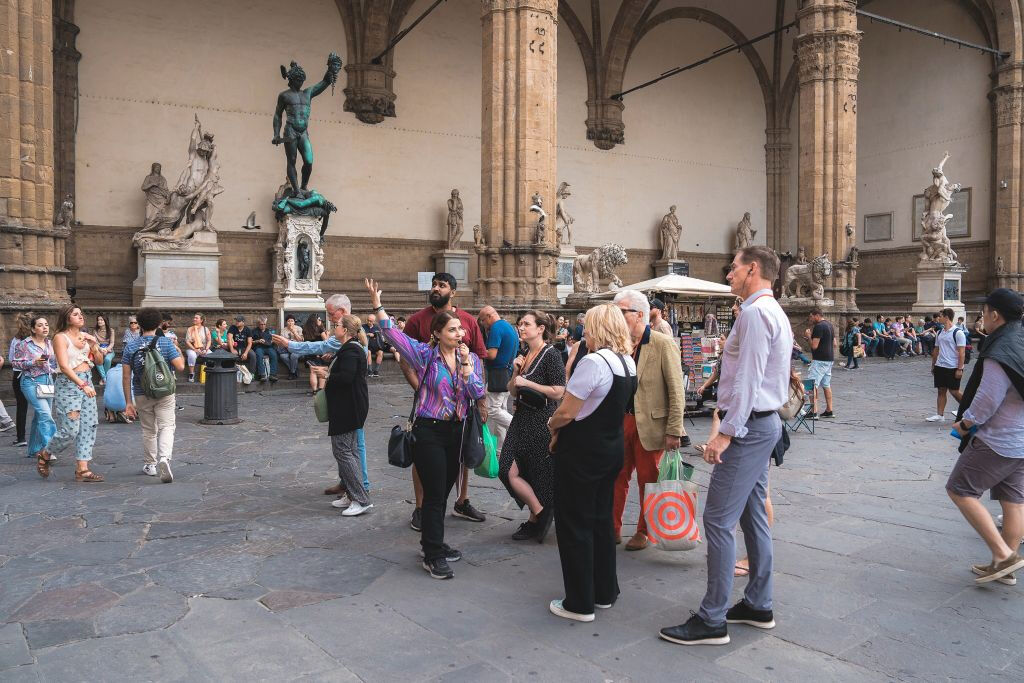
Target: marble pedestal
[(187, 278), (455, 262), (797, 309), (297, 285), (939, 286), (565, 284), (671, 266)]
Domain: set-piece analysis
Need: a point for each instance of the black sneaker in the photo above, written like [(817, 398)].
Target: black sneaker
[(811, 416), (695, 632), (742, 613), (684, 440), (438, 569), (416, 523), (273, 378), (450, 553), (467, 511), (827, 414), (526, 531)]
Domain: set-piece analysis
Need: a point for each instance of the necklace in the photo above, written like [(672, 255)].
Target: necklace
[(531, 356)]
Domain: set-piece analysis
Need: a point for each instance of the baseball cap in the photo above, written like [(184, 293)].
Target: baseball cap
[(1009, 303), (658, 303)]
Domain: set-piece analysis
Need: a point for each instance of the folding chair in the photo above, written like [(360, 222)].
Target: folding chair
[(805, 409)]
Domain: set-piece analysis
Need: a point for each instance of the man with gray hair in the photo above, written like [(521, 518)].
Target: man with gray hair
[(654, 416), (263, 351)]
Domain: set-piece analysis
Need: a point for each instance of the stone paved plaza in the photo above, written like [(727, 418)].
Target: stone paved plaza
[(242, 570)]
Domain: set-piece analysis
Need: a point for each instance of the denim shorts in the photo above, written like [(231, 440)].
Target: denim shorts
[(821, 372)]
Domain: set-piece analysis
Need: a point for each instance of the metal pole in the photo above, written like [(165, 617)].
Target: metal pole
[(404, 32), (933, 34)]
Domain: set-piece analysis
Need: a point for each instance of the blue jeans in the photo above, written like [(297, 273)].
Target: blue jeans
[(270, 354), (361, 446), (291, 360), (104, 368), (43, 425)]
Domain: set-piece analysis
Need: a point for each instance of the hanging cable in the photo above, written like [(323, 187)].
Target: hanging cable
[(714, 55), (403, 33)]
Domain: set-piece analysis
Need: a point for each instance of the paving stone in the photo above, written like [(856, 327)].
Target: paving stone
[(277, 601), (147, 609), (179, 529), (207, 572), (138, 657), (772, 659), (90, 553), (42, 634), (13, 647), (474, 673), (317, 570), (76, 602)]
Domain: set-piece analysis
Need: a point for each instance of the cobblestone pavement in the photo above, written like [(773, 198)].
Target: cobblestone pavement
[(242, 570)]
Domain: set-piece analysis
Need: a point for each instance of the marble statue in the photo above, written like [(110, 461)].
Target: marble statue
[(744, 233), (478, 237), (807, 279), (155, 187), (537, 207), (66, 214), (670, 232), (801, 255), (308, 203), (854, 254), (588, 270), (189, 207), (935, 244), (562, 216), (454, 221), (302, 260), (1000, 266), (295, 103)]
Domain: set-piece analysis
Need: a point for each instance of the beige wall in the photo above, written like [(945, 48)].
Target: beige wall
[(918, 98), (147, 67), (695, 140)]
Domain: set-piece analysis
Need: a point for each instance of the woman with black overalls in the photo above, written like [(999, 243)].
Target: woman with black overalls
[(588, 447)]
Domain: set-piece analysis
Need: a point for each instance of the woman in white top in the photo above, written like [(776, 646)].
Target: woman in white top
[(74, 396), (588, 446), (197, 343)]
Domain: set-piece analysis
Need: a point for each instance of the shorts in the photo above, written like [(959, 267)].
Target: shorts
[(821, 373), (945, 378), (980, 469)]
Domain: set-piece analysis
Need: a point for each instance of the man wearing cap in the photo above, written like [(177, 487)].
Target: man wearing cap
[(992, 457), (442, 292), (658, 322)]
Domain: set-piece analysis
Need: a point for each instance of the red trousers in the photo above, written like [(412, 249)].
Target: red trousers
[(645, 462)]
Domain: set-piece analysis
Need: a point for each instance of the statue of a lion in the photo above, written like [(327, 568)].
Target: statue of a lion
[(588, 270), (807, 279)]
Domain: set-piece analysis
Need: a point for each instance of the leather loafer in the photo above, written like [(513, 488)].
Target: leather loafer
[(335, 490), (638, 542)]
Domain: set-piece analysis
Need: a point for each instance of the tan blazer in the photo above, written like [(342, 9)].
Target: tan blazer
[(659, 400)]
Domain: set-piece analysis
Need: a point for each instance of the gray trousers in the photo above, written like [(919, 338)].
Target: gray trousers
[(350, 471), (736, 494)]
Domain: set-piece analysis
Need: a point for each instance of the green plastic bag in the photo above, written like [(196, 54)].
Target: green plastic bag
[(489, 467), (672, 467)]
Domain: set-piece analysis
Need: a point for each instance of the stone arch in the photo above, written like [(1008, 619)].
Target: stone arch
[(729, 29)]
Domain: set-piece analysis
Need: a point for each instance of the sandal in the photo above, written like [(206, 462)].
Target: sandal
[(740, 570), (87, 476), (43, 464)]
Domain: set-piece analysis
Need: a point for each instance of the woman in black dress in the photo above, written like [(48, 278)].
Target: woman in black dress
[(525, 466)]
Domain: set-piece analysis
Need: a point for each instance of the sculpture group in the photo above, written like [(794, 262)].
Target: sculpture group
[(807, 279), (588, 270), (935, 244), (174, 217)]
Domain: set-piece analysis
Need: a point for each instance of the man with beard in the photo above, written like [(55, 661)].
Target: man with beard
[(442, 291)]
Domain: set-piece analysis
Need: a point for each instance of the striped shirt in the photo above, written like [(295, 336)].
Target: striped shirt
[(26, 352), (442, 396)]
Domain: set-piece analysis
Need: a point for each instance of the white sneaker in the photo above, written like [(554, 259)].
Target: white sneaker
[(935, 418), (164, 467), (341, 503), (149, 469), (356, 509), (559, 611)]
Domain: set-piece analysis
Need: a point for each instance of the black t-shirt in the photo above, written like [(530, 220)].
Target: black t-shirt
[(825, 335)]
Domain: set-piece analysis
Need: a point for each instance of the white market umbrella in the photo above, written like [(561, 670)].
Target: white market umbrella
[(675, 284)]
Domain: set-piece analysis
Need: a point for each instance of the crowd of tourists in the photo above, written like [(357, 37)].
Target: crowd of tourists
[(576, 412)]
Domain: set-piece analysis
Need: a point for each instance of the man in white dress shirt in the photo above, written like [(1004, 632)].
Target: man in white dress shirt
[(753, 385)]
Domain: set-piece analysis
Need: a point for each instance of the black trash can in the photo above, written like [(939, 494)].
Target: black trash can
[(220, 405)]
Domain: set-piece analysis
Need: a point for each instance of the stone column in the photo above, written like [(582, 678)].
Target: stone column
[(518, 151), (777, 149), (65, 114), (827, 62), (32, 272), (1008, 239)]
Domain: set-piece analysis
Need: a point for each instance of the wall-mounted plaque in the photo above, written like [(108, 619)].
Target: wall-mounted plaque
[(958, 226), (878, 227)]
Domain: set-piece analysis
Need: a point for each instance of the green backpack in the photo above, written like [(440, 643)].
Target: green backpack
[(157, 377)]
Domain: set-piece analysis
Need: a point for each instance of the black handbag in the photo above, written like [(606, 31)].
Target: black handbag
[(530, 398), (472, 439), (402, 440)]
